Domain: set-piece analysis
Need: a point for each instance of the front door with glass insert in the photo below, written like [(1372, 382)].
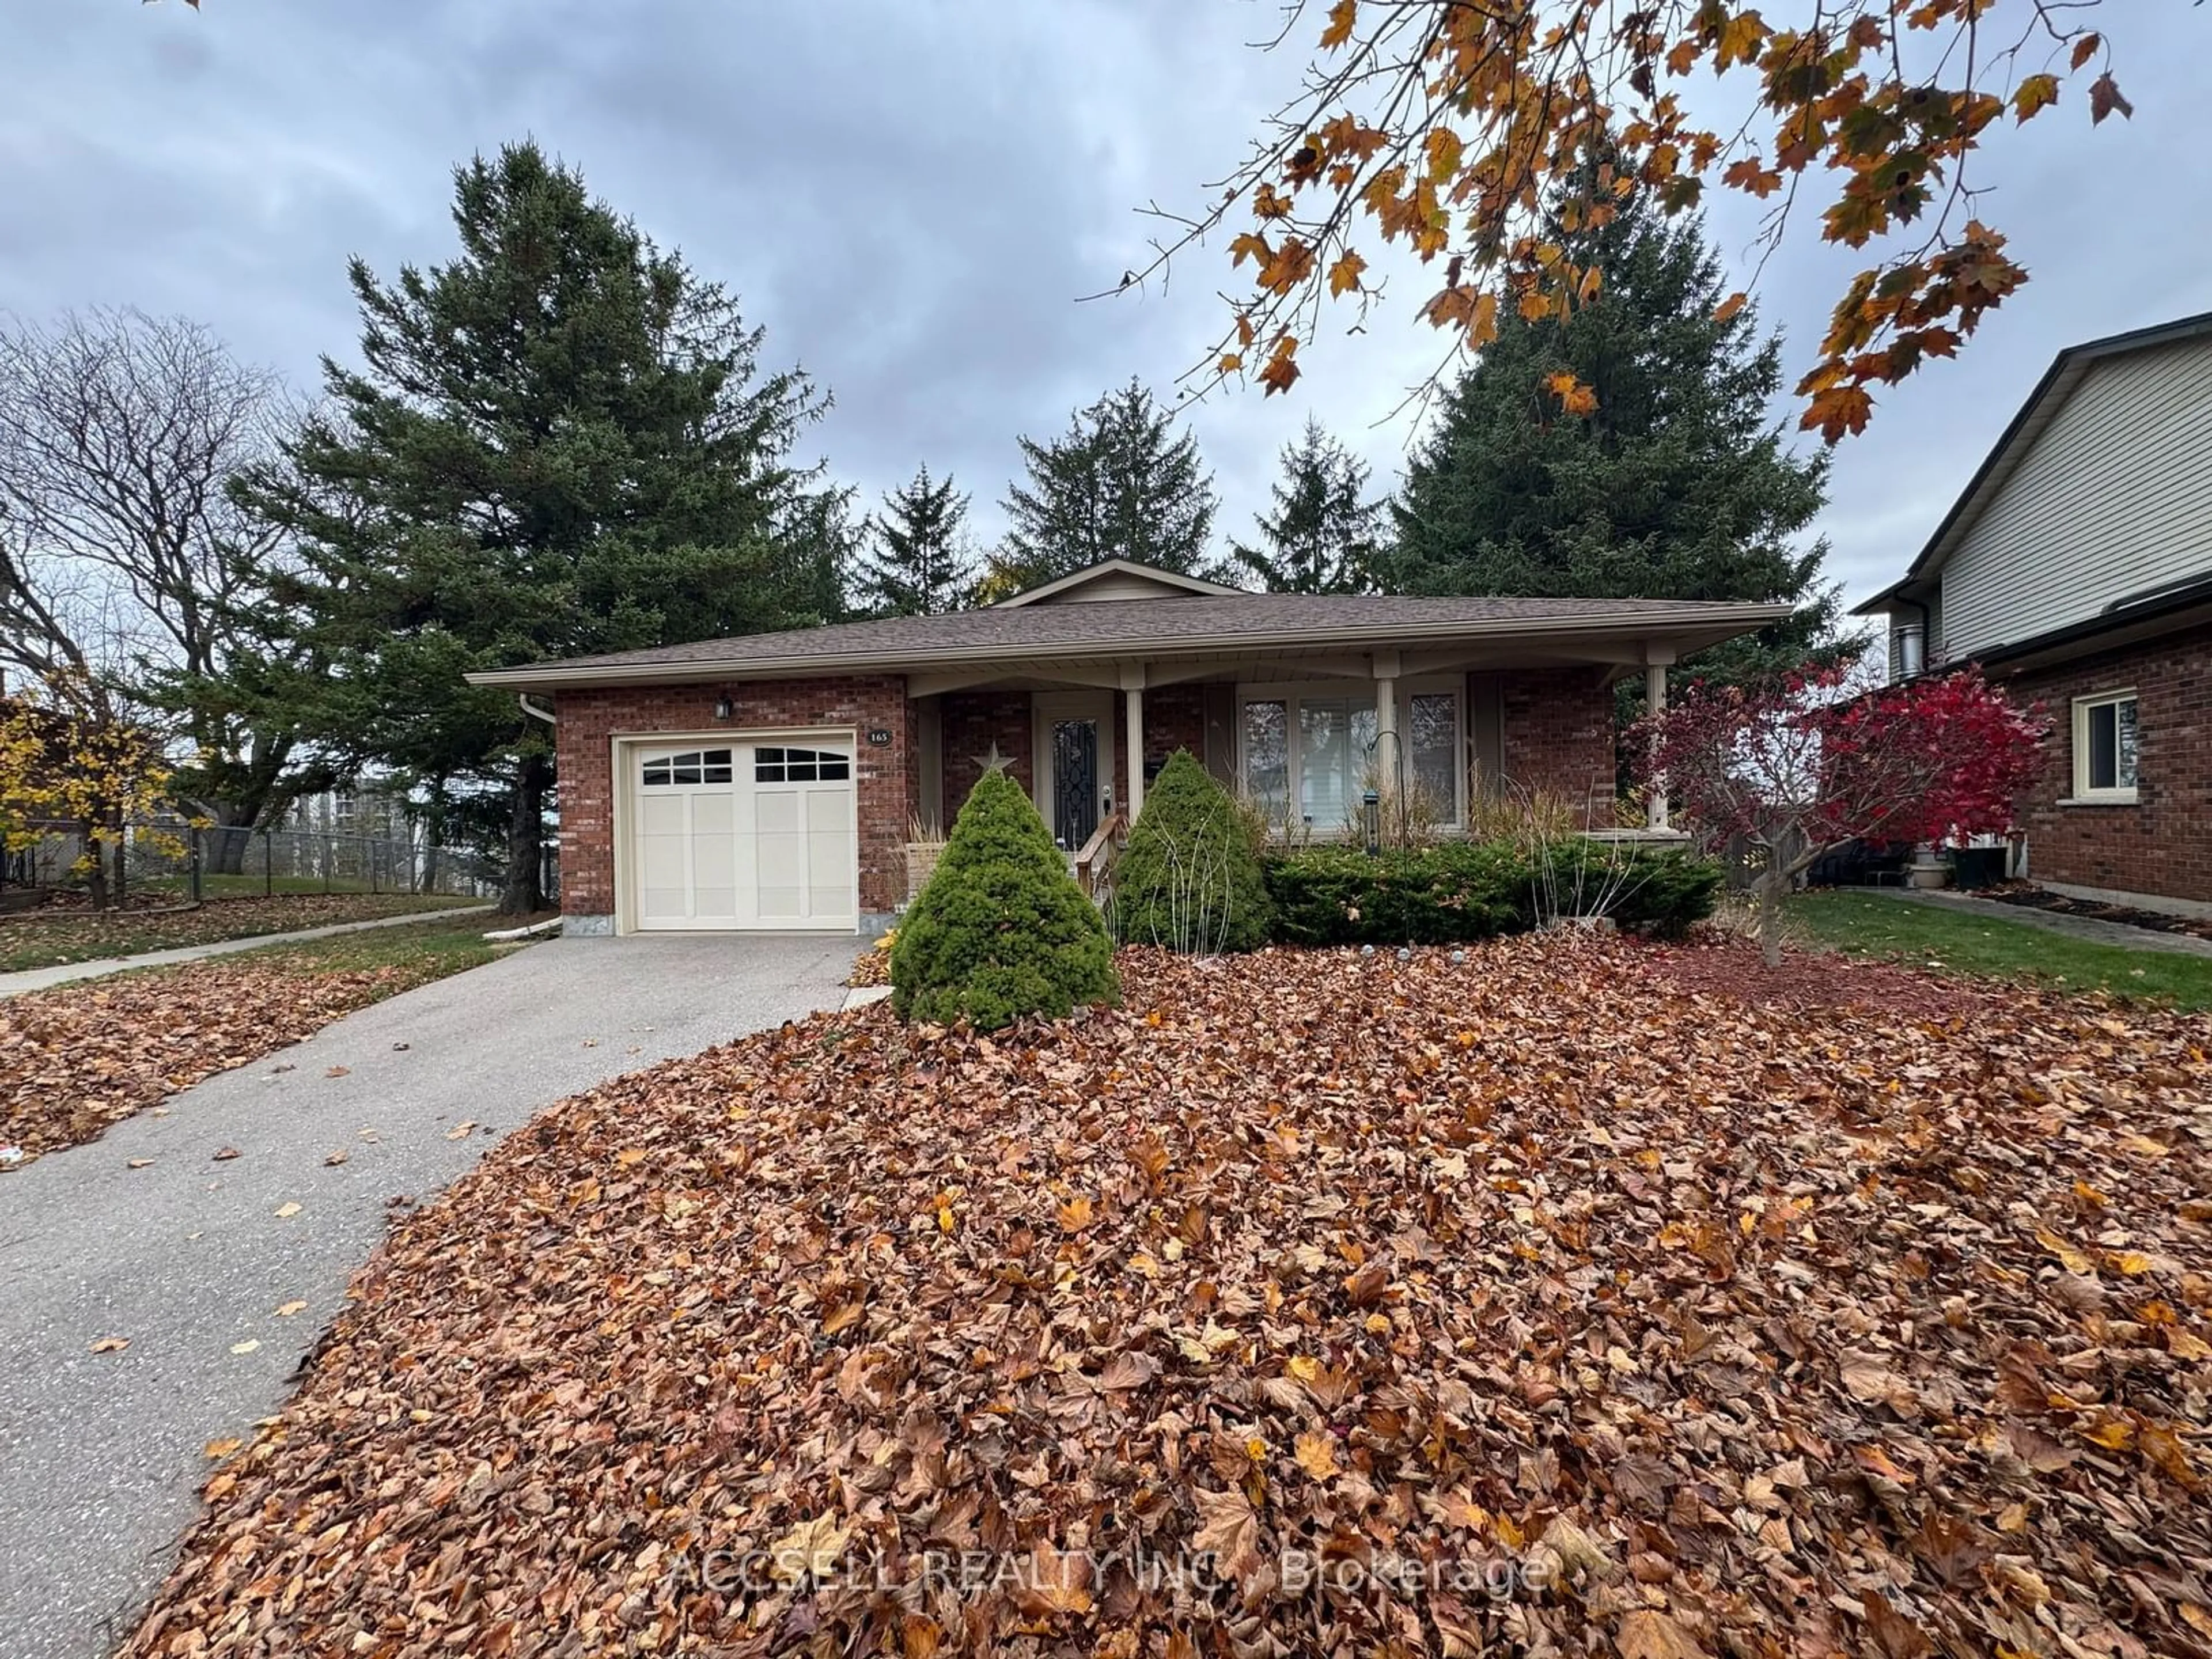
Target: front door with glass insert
[(1075, 763), (1074, 781)]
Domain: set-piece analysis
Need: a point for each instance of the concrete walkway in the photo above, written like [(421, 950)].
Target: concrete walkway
[(2051, 921), (193, 1259), (40, 979)]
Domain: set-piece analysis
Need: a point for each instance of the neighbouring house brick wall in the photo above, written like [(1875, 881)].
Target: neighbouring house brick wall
[(972, 722), (590, 720), (1556, 731), (2161, 844)]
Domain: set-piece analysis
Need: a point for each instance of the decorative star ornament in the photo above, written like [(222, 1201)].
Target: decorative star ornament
[(992, 760)]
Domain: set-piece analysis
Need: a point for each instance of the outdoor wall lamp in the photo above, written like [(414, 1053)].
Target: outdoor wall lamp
[(722, 710), (1370, 817)]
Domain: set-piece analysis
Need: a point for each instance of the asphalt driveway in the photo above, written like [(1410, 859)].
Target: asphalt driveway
[(193, 1258)]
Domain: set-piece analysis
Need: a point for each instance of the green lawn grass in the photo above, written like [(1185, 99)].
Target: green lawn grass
[(253, 884), (428, 951), (1961, 942), (51, 938)]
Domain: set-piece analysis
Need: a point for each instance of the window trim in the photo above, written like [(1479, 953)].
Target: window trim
[(1408, 687), (2084, 791)]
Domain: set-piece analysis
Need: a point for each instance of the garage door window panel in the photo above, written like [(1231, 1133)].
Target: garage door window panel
[(801, 766), (694, 768)]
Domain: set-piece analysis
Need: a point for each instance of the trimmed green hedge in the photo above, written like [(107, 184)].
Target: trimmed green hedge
[(1190, 877), (1001, 930), (1665, 893), (1461, 891), (1445, 895)]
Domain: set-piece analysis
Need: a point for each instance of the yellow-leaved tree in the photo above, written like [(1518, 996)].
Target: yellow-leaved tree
[(1469, 132), (69, 766)]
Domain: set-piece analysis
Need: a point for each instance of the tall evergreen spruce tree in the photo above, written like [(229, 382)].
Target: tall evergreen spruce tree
[(1679, 485), (820, 543), (917, 562), (1320, 536), (1119, 484), (559, 442)]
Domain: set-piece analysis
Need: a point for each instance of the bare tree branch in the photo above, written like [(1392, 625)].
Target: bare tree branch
[(119, 434)]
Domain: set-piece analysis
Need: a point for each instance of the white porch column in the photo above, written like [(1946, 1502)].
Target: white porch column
[(928, 739), (1133, 694), (1389, 759), (1655, 703)]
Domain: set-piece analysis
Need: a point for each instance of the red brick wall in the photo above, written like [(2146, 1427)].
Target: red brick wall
[(1175, 718), (2162, 843), (972, 722), (1557, 733), (589, 720)]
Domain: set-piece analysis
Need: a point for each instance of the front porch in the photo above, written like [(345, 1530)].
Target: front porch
[(1304, 736)]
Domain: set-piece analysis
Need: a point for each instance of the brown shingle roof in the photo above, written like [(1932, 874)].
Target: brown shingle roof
[(1160, 627)]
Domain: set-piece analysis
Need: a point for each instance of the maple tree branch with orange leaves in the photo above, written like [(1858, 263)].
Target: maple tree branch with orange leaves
[(1464, 131)]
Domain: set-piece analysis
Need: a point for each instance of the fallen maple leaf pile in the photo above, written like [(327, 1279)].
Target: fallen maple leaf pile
[(1728, 966), (78, 1058), (1308, 1303)]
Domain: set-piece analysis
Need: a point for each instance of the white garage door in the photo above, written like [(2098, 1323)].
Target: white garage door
[(750, 836)]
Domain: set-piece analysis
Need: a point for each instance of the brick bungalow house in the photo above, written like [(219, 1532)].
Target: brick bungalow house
[(2076, 568), (769, 781)]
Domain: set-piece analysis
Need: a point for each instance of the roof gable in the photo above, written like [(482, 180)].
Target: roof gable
[(1116, 579), (2059, 382)]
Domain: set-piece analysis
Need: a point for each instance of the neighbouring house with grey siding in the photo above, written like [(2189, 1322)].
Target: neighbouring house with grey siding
[(2076, 568)]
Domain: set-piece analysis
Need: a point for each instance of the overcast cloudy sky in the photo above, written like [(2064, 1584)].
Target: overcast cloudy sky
[(911, 195)]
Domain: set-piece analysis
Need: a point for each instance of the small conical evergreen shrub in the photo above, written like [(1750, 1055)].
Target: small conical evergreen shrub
[(1001, 930), (1190, 877)]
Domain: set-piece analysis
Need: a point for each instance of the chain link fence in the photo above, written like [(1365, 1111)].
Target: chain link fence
[(197, 863)]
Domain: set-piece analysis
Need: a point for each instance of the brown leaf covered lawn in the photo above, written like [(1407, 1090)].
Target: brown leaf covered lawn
[(1314, 1303), (78, 1059), (59, 934)]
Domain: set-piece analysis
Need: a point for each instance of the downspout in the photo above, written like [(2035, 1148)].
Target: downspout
[(1926, 645), (538, 712), (1922, 853)]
